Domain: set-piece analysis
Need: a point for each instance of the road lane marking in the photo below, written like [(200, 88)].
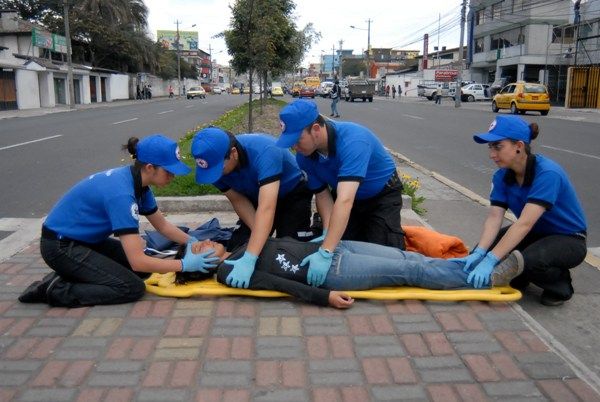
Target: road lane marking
[(571, 152), (189, 106), (31, 142), (125, 121), (413, 117), (166, 111)]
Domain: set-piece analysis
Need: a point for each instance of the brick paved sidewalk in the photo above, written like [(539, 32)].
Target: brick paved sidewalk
[(242, 349)]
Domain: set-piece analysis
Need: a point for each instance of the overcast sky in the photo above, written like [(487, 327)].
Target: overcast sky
[(399, 24)]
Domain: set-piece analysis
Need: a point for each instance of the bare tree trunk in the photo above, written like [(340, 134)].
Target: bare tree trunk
[(260, 89)]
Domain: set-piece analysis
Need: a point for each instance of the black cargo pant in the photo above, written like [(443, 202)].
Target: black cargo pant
[(377, 219), (90, 274), (292, 218), (548, 259)]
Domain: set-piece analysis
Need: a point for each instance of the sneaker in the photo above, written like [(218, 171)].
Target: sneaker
[(331, 115), (37, 292), (510, 267), (337, 115), (552, 300)]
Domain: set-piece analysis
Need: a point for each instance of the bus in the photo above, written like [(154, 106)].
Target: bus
[(312, 82)]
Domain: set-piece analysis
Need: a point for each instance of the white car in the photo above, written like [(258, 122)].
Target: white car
[(217, 90), (475, 92)]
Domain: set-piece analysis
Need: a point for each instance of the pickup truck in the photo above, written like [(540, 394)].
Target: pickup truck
[(358, 89)]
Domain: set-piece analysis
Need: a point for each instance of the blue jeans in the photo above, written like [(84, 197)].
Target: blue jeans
[(334, 103), (360, 266)]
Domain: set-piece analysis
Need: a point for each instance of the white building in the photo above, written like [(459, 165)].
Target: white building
[(31, 78), (519, 40)]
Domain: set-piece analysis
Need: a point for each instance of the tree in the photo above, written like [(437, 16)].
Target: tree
[(263, 37)]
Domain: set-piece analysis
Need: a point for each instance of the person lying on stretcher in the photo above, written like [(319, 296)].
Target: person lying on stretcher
[(353, 265)]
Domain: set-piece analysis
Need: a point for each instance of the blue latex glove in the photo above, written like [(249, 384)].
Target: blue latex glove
[(239, 277), (198, 262), (320, 238), (319, 263), (480, 276), (472, 259)]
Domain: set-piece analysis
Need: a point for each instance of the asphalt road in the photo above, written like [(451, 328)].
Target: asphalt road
[(440, 139), (42, 157)]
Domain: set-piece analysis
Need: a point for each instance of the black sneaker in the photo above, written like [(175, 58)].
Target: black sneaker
[(331, 115), (552, 300), (509, 268), (37, 292)]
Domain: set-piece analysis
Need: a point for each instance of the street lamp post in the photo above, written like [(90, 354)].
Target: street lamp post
[(368, 29)]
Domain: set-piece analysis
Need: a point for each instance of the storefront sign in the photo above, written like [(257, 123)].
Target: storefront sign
[(446, 75), (41, 39)]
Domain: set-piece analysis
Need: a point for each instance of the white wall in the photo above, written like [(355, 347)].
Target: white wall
[(26, 48), (46, 88), (11, 43), (28, 91), (86, 97), (118, 87)]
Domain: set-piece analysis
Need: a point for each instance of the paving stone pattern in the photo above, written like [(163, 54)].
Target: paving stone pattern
[(244, 349)]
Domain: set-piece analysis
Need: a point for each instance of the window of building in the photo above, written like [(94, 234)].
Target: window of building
[(479, 45), (480, 17), (512, 37), (496, 10), (563, 34)]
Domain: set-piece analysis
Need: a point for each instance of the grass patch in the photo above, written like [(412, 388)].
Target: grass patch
[(234, 120)]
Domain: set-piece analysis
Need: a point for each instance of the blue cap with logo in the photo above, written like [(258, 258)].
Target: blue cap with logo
[(506, 128), (209, 147), (294, 118), (161, 151)]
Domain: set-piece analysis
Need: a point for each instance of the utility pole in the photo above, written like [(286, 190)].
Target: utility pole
[(210, 76), (460, 54), (332, 61), (69, 60), (178, 59), (340, 60), (369, 47), (438, 38)]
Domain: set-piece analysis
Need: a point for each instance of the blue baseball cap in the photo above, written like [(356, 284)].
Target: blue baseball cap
[(209, 147), (294, 118), (161, 151), (505, 128)]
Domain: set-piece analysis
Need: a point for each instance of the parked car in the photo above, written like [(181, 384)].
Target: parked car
[(217, 90), (196, 92), (306, 92), (235, 91), (246, 90), (276, 91), (520, 97), (475, 92)]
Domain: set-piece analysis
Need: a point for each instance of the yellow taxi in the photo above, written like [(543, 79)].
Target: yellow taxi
[(276, 91), (235, 91), (296, 88), (520, 97)]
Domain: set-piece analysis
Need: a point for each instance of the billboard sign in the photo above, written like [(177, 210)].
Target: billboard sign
[(188, 40), (446, 75), (41, 39), (59, 43)]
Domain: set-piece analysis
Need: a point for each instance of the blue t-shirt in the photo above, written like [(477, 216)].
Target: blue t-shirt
[(261, 162), (546, 184), (104, 203), (355, 154)]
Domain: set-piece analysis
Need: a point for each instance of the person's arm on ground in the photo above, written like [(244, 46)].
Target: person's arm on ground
[(261, 280), (242, 207)]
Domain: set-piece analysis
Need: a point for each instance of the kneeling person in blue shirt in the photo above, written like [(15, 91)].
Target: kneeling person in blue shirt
[(350, 161), (89, 266), (263, 183)]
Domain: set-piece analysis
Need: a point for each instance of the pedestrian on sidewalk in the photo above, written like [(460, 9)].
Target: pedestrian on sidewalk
[(551, 227), (336, 94), (170, 89), (438, 95), (91, 268), (355, 266), (387, 91), (393, 92), (265, 186), (399, 91), (352, 161)]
